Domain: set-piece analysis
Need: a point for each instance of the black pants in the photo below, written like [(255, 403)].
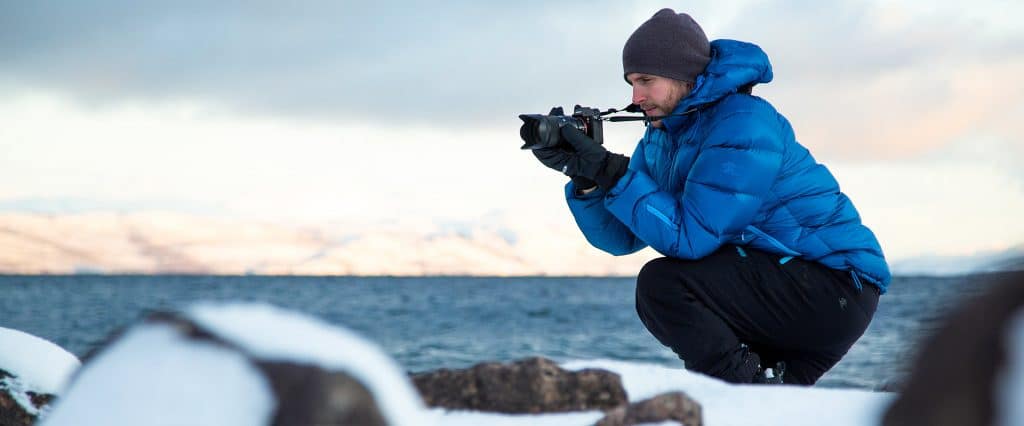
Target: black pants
[(712, 311)]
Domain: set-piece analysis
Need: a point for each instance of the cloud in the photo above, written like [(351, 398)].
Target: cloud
[(859, 80), (458, 63), (990, 150), (864, 80)]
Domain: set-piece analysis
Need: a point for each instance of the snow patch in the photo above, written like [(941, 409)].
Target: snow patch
[(729, 404), (477, 418)]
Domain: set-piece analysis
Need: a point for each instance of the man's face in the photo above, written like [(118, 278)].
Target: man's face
[(657, 95)]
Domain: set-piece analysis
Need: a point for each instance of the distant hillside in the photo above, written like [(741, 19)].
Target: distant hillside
[(157, 243), (1015, 264), (152, 243), (1005, 260)]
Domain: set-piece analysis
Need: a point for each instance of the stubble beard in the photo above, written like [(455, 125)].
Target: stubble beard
[(675, 97)]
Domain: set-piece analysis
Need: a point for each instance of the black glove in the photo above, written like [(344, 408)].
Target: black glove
[(556, 157), (591, 161)]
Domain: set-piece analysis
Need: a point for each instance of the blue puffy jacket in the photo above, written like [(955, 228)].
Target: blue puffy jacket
[(729, 171)]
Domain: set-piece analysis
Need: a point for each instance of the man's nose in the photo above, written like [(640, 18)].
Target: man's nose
[(638, 96)]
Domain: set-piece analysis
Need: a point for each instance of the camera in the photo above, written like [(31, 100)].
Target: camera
[(544, 131)]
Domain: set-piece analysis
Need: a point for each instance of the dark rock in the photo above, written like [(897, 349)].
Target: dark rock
[(667, 406), (41, 399), (13, 413), (308, 395), (532, 385), (953, 377)]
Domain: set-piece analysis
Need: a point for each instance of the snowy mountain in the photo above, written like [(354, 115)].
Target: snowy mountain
[(175, 243), (1011, 259), (148, 243)]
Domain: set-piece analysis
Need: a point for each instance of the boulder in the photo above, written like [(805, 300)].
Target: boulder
[(665, 407), (309, 395), (957, 375), (237, 364), (532, 385), (32, 372)]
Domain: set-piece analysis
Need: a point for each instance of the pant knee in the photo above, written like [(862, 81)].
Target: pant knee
[(654, 277)]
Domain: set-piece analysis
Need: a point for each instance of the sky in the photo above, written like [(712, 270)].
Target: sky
[(317, 112)]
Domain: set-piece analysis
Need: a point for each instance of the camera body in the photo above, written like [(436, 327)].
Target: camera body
[(544, 131)]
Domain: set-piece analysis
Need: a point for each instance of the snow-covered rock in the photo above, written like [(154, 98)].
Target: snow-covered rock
[(18, 405), (238, 364), (38, 363), (33, 371)]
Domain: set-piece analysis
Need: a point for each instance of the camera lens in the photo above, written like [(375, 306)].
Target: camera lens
[(541, 131), (528, 131)]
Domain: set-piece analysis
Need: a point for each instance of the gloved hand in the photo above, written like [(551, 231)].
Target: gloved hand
[(557, 157), (591, 161)]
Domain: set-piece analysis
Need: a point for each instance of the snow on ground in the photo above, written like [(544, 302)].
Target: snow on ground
[(723, 404), (39, 364), (471, 418)]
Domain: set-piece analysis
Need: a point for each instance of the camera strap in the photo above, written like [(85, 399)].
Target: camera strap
[(636, 108)]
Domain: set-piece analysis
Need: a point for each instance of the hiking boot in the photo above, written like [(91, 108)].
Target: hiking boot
[(770, 376)]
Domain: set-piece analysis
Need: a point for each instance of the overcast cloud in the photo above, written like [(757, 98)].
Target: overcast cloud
[(449, 62), (858, 78)]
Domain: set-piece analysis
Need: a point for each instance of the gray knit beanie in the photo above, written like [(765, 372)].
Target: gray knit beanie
[(668, 45)]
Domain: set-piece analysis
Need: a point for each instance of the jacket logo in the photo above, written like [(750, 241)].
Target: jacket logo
[(730, 168)]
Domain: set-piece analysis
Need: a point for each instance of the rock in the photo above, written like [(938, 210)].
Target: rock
[(312, 396), (18, 405), (532, 385), (41, 365), (954, 376), (238, 364), (667, 406), (33, 371)]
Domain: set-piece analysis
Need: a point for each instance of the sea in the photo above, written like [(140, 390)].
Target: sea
[(427, 323)]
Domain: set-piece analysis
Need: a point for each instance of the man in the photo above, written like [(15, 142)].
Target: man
[(766, 262)]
